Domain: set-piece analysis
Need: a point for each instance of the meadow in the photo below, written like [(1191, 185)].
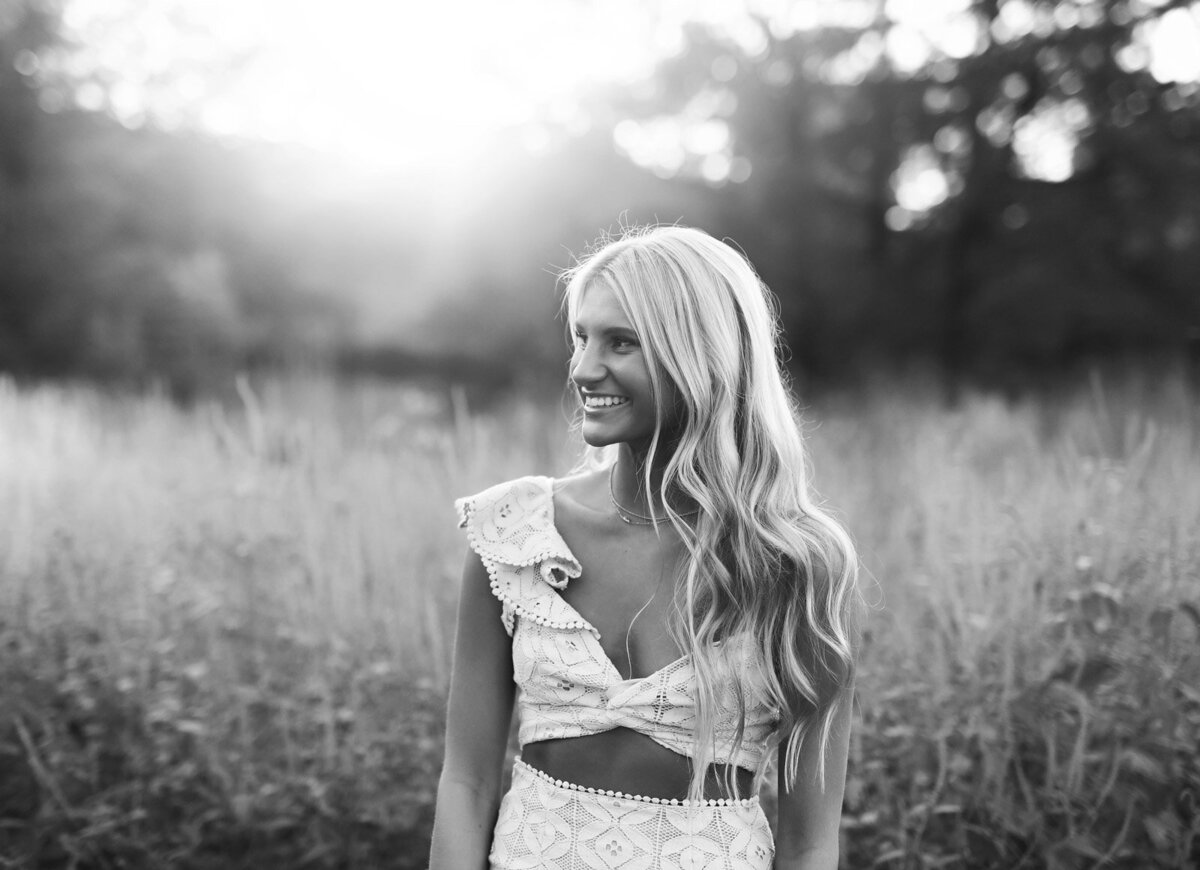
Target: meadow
[(225, 630)]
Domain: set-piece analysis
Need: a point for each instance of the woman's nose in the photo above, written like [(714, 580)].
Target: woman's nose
[(586, 368)]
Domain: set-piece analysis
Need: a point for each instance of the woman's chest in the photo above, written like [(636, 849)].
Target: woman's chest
[(626, 591)]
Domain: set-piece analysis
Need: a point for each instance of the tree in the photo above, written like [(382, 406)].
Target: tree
[(896, 160)]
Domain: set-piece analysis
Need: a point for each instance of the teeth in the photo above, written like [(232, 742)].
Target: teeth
[(604, 401)]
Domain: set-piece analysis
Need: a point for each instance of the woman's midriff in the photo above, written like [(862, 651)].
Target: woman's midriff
[(626, 761)]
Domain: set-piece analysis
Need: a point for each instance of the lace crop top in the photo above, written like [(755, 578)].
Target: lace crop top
[(568, 685)]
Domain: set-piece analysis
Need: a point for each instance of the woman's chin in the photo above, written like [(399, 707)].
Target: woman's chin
[(595, 437)]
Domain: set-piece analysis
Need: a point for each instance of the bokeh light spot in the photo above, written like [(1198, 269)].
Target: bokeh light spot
[(740, 169), (26, 62), (898, 219), (907, 49), (1173, 44), (724, 68), (1015, 216), (920, 184), (1046, 140), (952, 140)]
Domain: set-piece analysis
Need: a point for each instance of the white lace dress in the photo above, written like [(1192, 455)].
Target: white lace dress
[(569, 688)]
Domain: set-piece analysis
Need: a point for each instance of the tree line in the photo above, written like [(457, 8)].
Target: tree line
[(1001, 204)]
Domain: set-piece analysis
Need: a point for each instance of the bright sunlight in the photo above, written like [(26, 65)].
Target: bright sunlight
[(389, 83)]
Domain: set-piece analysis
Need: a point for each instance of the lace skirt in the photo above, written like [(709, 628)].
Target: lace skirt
[(547, 824)]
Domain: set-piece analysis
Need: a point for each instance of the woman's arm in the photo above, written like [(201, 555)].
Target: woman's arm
[(806, 835), (477, 724)]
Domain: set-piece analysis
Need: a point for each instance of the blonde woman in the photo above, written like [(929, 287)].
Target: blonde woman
[(671, 621)]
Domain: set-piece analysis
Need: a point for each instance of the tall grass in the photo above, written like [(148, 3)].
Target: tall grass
[(226, 631)]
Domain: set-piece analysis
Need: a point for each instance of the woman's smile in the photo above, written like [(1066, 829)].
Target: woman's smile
[(593, 403)]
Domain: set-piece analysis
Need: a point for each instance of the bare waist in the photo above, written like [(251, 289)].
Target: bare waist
[(626, 761)]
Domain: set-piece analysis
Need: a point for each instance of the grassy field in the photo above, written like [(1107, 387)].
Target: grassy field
[(225, 631)]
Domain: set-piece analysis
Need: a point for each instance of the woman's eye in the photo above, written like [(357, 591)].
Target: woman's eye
[(616, 342)]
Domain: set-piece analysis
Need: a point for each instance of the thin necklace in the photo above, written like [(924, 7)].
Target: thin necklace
[(633, 518)]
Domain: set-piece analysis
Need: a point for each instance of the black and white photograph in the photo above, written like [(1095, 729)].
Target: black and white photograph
[(600, 435)]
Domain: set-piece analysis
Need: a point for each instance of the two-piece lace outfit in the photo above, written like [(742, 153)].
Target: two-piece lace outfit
[(568, 687)]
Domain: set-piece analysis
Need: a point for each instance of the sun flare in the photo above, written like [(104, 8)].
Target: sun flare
[(404, 84), (390, 83)]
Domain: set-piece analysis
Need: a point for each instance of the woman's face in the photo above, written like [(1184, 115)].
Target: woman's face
[(610, 370)]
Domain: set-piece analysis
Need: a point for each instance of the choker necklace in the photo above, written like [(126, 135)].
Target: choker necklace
[(635, 519)]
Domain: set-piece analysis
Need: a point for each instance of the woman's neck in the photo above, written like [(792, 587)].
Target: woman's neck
[(629, 482)]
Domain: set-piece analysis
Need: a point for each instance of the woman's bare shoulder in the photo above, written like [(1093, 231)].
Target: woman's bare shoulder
[(582, 495)]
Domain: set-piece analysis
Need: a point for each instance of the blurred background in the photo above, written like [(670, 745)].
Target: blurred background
[(1000, 189), (278, 283)]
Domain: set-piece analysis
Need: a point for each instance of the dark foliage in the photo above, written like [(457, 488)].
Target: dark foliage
[(152, 256)]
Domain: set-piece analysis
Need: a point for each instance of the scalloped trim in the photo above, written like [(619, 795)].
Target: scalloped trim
[(545, 561), (554, 550), (745, 803)]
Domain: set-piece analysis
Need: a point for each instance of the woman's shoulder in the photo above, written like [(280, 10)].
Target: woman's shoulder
[(506, 503), (581, 498), (535, 505), (513, 524), (518, 487), (585, 488)]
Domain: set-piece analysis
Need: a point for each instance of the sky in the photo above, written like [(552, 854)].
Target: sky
[(409, 84), (389, 82)]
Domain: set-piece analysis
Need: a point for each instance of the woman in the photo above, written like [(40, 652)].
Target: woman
[(674, 614)]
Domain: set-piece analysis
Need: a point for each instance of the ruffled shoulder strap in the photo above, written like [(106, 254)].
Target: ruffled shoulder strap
[(511, 527)]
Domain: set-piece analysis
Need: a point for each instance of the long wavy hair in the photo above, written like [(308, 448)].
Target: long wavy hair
[(766, 564)]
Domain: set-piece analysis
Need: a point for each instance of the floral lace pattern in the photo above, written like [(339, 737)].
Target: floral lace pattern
[(568, 685), (551, 825)]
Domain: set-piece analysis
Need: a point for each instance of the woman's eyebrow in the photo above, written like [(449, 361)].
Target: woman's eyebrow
[(604, 328), (607, 330)]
